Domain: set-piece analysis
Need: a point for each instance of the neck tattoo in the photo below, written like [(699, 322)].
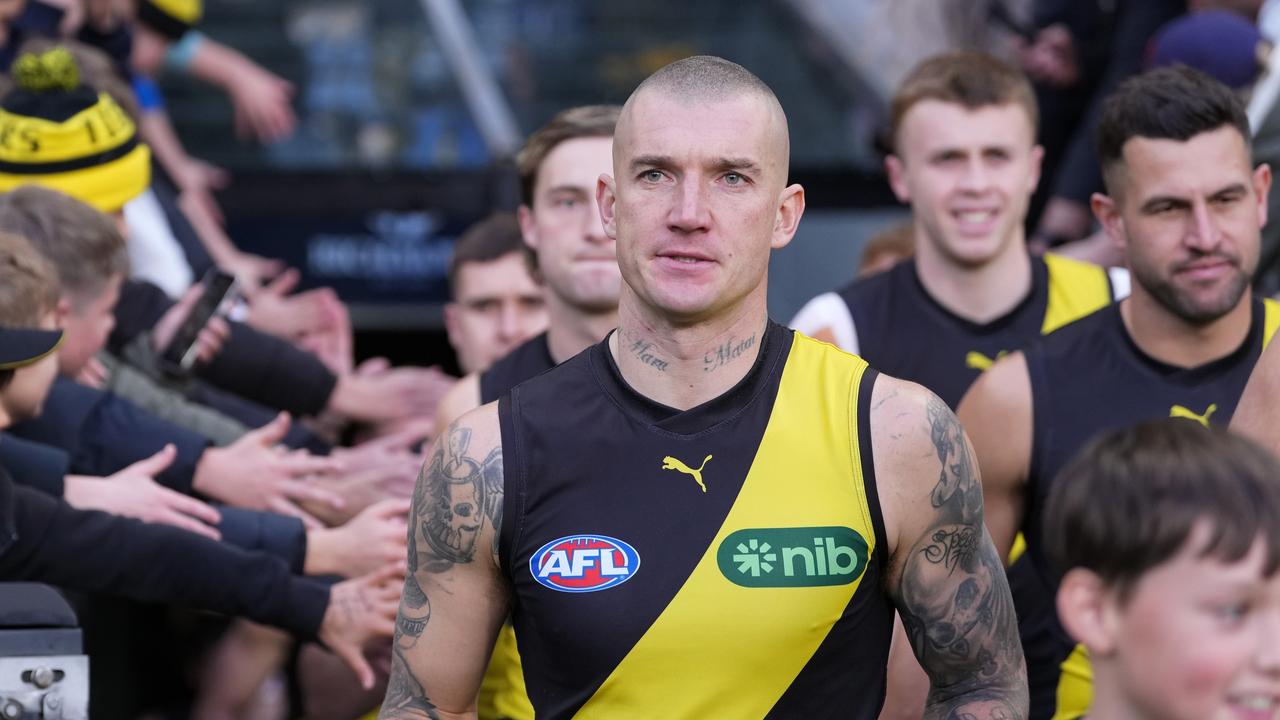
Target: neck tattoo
[(726, 353)]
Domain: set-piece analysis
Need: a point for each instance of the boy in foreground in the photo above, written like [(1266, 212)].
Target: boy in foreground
[(1167, 535)]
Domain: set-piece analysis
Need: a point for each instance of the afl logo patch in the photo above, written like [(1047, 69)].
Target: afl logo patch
[(584, 563)]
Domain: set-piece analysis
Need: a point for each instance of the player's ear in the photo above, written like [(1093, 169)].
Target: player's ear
[(451, 329), (528, 230), (1037, 164), (894, 168), (606, 199), (1261, 188), (1085, 606), (787, 219), (1107, 212)]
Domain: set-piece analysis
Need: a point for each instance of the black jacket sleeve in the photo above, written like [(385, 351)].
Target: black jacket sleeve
[(35, 465), (279, 535), (105, 433), (270, 371), (46, 540)]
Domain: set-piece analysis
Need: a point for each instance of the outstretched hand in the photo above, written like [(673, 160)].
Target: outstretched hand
[(133, 492), (360, 611), (254, 473)]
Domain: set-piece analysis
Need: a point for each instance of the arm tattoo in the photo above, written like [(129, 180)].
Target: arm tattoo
[(455, 496), (954, 596), (405, 696)]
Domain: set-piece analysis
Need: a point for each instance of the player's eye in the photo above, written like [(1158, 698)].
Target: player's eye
[(652, 176)]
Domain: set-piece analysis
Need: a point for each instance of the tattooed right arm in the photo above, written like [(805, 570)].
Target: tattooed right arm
[(945, 576), (454, 599)]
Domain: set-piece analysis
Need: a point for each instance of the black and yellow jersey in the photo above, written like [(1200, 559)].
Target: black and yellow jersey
[(502, 693), (528, 359), (1088, 378), (723, 561), (892, 321)]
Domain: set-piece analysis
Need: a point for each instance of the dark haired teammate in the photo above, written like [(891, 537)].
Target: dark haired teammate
[(1167, 538), (1186, 204), (497, 304), (685, 520)]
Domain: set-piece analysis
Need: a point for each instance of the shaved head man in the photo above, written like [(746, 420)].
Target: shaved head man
[(638, 509)]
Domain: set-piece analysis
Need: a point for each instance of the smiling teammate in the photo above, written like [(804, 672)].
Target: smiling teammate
[(965, 157), (771, 593)]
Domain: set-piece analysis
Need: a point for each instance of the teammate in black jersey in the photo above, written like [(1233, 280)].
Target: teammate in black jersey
[(963, 126), (1186, 205), (558, 166), (697, 201)]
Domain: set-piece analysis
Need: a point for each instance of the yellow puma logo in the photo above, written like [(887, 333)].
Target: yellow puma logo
[(670, 463), (978, 361), (1177, 411)]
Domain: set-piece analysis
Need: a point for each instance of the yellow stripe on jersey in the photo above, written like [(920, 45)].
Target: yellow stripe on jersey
[(1075, 289), (721, 649), (1270, 320)]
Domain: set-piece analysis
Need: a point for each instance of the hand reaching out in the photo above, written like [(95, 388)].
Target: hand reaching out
[(254, 473), (133, 492), (361, 610)]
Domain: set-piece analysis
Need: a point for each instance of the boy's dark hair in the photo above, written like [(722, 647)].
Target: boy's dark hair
[(83, 245), (1129, 501), (587, 121), (493, 237), (1171, 103), (973, 80)]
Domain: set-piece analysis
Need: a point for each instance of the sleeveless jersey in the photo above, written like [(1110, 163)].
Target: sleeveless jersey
[(723, 561), (1086, 379), (891, 320), (531, 357), (502, 693)]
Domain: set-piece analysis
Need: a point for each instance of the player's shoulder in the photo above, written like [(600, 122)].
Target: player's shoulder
[(481, 424), (462, 396)]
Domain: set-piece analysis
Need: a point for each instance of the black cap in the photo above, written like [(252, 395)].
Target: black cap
[(22, 346)]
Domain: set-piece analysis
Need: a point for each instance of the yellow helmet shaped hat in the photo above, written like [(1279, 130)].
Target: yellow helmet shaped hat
[(171, 18), (61, 134)]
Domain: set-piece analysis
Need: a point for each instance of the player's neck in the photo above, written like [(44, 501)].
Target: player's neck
[(570, 330), (683, 366), (978, 293), (1173, 341)]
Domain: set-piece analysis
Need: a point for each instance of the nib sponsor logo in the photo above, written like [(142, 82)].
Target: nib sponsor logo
[(793, 557)]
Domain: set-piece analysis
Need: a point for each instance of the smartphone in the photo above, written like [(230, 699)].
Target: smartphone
[(220, 293)]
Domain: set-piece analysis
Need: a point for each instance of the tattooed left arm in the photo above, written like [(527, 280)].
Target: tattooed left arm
[(945, 575)]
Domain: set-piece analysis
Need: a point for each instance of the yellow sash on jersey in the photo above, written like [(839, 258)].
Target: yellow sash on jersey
[(1075, 683), (724, 650), (1075, 289)]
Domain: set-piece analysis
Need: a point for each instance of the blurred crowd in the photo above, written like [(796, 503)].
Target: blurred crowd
[(185, 428)]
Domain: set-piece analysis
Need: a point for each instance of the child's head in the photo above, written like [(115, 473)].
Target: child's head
[(87, 253), (1167, 536), (28, 335)]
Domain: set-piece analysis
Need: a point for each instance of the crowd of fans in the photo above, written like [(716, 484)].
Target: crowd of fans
[(270, 480)]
